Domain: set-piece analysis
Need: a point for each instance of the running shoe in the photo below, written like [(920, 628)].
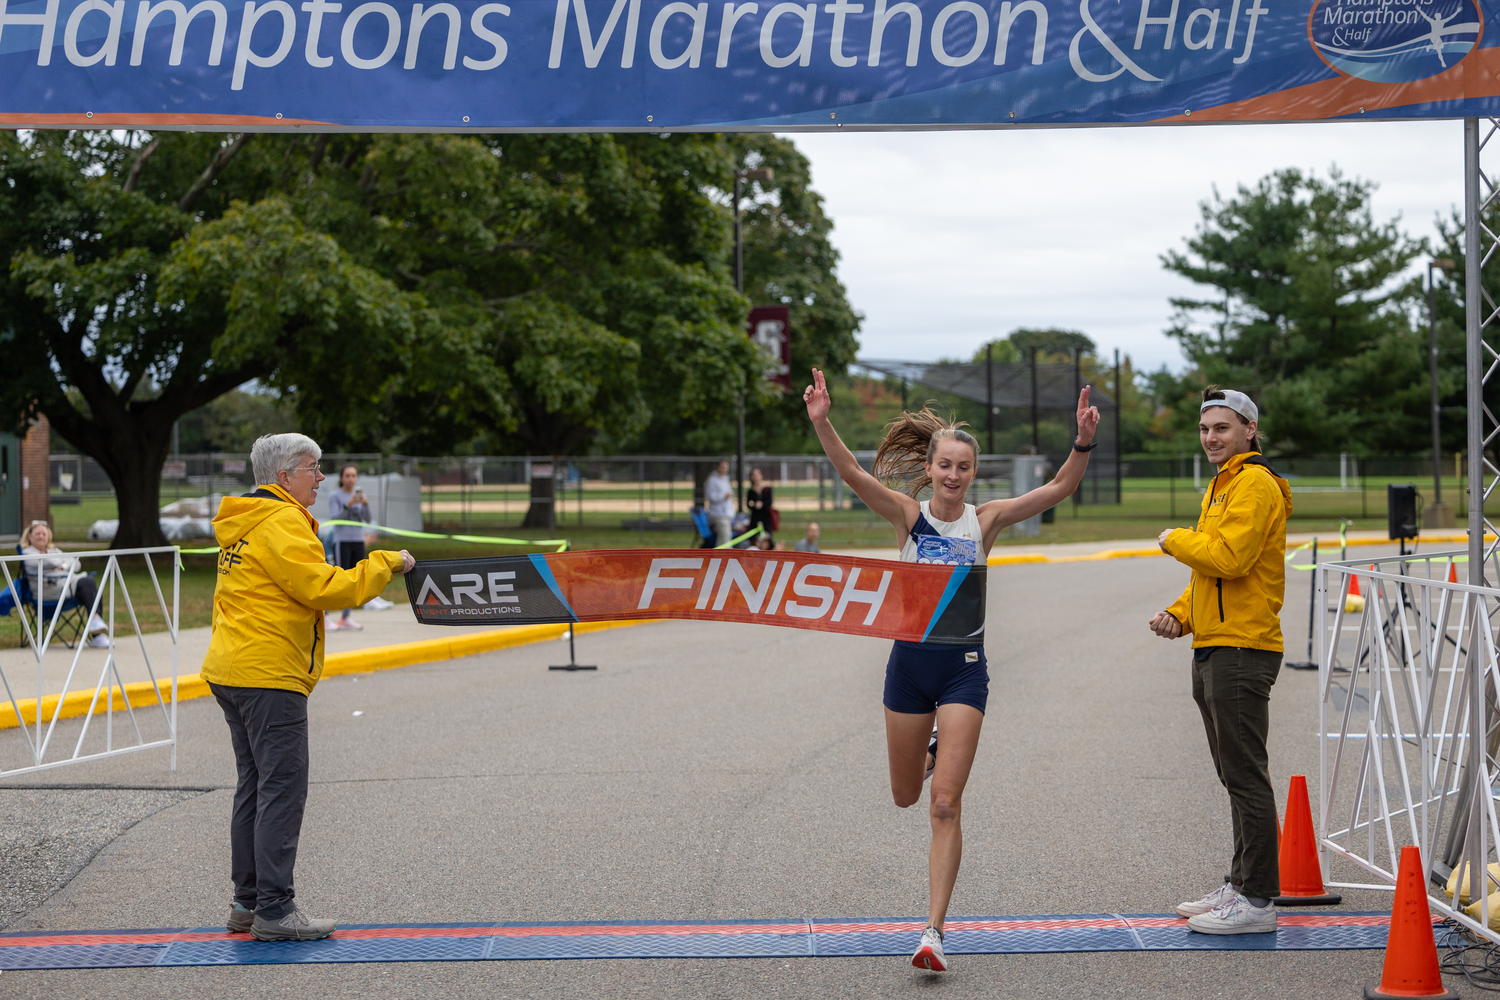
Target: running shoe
[(100, 641), (350, 624), (1212, 901), (295, 926), (379, 604), (332, 623), (929, 954), (931, 753), (1238, 916), (239, 920)]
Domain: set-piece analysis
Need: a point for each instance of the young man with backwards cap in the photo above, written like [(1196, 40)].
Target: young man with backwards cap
[(1231, 607)]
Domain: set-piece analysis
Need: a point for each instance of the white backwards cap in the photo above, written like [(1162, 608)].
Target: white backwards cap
[(1236, 401)]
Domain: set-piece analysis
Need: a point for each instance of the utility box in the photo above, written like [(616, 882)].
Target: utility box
[(1029, 473)]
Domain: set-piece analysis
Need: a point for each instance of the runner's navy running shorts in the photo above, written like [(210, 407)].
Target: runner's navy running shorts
[(921, 676)]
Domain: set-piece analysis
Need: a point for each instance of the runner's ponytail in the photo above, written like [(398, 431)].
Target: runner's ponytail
[(909, 444)]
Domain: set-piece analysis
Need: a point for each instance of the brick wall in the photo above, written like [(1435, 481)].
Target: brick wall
[(35, 447)]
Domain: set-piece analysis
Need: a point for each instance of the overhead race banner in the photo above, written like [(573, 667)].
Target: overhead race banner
[(660, 65), (914, 602)]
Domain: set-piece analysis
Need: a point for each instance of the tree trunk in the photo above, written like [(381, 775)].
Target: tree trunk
[(542, 512), (135, 471)]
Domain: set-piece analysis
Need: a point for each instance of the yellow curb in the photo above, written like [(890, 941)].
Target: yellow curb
[(355, 661), (1037, 557)]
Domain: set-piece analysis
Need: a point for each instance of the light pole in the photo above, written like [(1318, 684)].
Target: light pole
[(740, 176), (1436, 514)]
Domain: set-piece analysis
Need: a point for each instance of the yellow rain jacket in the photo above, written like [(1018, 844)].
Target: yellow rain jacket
[(1238, 558), (274, 586)]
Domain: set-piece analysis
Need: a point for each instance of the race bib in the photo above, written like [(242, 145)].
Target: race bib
[(947, 551)]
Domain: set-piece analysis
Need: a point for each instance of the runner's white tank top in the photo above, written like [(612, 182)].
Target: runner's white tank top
[(952, 543)]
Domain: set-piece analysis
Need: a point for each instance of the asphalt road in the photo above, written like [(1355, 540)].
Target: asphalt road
[(714, 771)]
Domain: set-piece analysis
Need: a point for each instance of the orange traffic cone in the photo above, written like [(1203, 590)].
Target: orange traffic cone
[(1354, 601), (1301, 877), (1411, 962), (1452, 572)]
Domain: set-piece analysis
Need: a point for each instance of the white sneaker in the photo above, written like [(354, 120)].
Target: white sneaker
[(350, 624), (931, 754), (332, 623), (1212, 901), (100, 641), (929, 954), (1236, 917), (379, 604), (97, 625)]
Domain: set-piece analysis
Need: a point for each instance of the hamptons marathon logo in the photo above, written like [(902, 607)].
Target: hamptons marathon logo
[(1394, 41)]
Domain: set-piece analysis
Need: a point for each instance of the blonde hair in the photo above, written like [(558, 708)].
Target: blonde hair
[(909, 445), (26, 535)]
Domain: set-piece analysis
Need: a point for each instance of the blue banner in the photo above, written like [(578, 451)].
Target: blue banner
[(660, 65)]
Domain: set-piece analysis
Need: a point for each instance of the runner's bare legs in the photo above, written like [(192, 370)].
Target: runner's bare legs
[(906, 737)]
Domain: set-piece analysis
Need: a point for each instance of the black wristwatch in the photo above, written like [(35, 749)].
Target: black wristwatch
[(1085, 448)]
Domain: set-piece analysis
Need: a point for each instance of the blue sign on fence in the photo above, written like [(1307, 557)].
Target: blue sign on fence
[(669, 64)]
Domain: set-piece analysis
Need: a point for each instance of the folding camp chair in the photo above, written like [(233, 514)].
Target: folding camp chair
[(706, 538), (70, 623)]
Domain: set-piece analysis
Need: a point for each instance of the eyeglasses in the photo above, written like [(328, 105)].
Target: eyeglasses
[(305, 468)]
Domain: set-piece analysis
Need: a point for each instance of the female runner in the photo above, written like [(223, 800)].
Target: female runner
[(930, 683)]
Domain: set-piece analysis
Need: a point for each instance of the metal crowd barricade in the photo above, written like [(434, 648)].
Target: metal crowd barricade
[(1404, 685), (155, 726)]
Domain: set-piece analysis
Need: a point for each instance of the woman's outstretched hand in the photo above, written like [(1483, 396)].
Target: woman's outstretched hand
[(818, 403), (1088, 417)]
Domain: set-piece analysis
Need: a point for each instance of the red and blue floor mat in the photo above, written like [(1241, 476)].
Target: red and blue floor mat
[(683, 939)]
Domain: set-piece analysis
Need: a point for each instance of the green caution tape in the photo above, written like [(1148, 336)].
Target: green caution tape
[(735, 541), (561, 544)]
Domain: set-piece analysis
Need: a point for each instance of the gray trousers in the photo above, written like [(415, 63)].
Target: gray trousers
[(268, 728), (1232, 687), (723, 529)]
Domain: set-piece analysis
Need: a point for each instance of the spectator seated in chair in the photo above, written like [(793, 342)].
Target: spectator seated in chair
[(53, 571)]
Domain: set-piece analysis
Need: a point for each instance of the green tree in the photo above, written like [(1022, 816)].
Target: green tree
[(124, 309), (1309, 315), (546, 293)]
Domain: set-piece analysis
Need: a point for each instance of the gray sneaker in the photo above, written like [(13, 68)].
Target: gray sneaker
[(1237, 916), (295, 926), (1212, 901), (239, 920)]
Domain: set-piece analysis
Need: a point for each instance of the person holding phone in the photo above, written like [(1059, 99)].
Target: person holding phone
[(347, 503)]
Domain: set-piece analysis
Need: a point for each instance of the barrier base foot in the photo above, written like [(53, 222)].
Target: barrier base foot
[(572, 666), (1302, 664), (1327, 899), (1375, 993)]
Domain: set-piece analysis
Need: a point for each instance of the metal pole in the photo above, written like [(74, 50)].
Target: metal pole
[(1077, 388), (1474, 363), (1036, 439), (739, 453), (739, 286), (989, 397), (1432, 374), (1119, 414)]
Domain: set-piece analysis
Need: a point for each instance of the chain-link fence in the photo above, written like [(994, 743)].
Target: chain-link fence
[(640, 497)]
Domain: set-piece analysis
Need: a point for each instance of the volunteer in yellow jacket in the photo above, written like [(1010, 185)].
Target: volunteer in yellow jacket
[(265, 656), (1231, 607)]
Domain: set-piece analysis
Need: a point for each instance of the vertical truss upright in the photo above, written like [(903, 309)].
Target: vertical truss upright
[(1480, 311)]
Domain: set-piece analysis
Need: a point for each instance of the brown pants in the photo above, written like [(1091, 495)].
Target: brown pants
[(1232, 687)]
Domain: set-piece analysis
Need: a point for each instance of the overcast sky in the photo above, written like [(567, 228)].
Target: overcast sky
[(950, 238)]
